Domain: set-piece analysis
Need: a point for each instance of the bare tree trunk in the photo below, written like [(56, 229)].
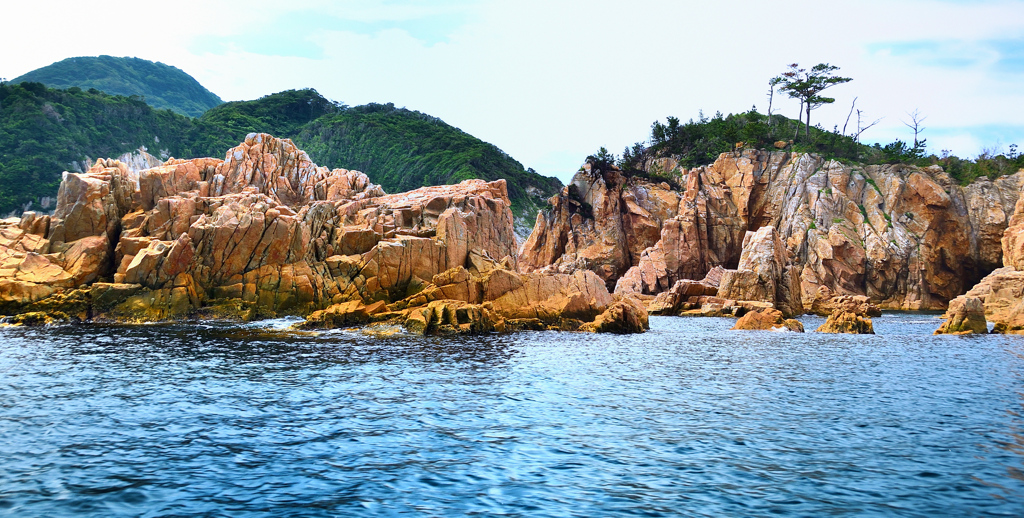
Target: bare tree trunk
[(849, 115), (807, 129), (800, 119)]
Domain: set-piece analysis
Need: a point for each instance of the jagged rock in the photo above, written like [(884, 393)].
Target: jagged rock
[(847, 322), (598, 223), (885, 232), (683, 292), (767, 319), (625, 316), (965, 315), (1002, 291), (1012, 239), (266, 232), (339, 315), (453, 317), (764, 274)]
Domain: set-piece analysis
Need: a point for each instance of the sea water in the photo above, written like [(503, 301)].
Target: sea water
[(203, 419)]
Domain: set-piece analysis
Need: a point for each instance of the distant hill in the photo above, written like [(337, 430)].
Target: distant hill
[(45, 131), (161, 86)]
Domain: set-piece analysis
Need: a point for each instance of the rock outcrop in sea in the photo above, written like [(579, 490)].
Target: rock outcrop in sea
[(900, 236), (265, 232)]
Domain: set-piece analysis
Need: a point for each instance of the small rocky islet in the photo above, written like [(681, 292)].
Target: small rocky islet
[(761, 235)]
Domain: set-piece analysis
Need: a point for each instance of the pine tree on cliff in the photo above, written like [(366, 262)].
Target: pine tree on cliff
[(806, 86)]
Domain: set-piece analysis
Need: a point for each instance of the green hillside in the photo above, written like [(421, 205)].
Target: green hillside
[(44, 130), (160, 85), (403, 149)]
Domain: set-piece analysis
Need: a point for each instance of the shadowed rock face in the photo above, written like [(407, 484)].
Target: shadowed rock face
[(264, 232), (1000, 294), (905, 237)]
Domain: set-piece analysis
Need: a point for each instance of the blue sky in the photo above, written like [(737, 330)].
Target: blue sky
[(551, 81)]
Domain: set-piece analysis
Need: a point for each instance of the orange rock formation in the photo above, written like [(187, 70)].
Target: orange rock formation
[(266, 232)]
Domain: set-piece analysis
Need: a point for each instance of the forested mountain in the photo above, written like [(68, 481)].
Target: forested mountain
[(161, 86), (403, 149), (45, 131)]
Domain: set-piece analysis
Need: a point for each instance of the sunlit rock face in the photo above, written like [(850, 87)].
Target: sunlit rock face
[(905, 237), (266, 232)]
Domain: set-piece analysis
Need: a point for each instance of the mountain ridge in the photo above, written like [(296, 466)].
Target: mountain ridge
[(161, 86)]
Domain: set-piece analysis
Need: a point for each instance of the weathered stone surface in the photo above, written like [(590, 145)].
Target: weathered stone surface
[(37, 318), (905, 237), (1002, 291), (847, 322), (767, 319), (1012, 239), (340, 315), (600, 222), (966, 315)]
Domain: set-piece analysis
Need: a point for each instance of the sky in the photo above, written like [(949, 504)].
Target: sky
[(549, 82)]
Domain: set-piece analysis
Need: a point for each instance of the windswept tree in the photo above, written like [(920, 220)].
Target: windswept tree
[(807, 85)]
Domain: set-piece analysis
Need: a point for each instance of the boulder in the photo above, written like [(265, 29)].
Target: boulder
[(453, 317), (344, 314), (847, 322), (683, 292), (966, 315), (825, 303), (625, 316), (767, 319)]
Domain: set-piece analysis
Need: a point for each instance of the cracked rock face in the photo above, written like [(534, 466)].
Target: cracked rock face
[(265, 232), (905, 237)]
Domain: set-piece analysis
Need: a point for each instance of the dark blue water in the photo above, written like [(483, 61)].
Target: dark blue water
[(689, 419)]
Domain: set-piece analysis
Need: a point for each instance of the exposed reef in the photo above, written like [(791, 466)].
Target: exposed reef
[(265, 232)]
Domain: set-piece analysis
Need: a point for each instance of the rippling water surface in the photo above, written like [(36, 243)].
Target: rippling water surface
[(690, 418)]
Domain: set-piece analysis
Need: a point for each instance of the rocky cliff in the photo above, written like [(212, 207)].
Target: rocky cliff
[(905, 237), (267, 232), (999, 297)]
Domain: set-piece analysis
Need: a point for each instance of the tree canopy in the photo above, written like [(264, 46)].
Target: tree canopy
[(807, 85)]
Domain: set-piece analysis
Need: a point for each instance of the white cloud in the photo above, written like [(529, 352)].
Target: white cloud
[(550, 81)]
